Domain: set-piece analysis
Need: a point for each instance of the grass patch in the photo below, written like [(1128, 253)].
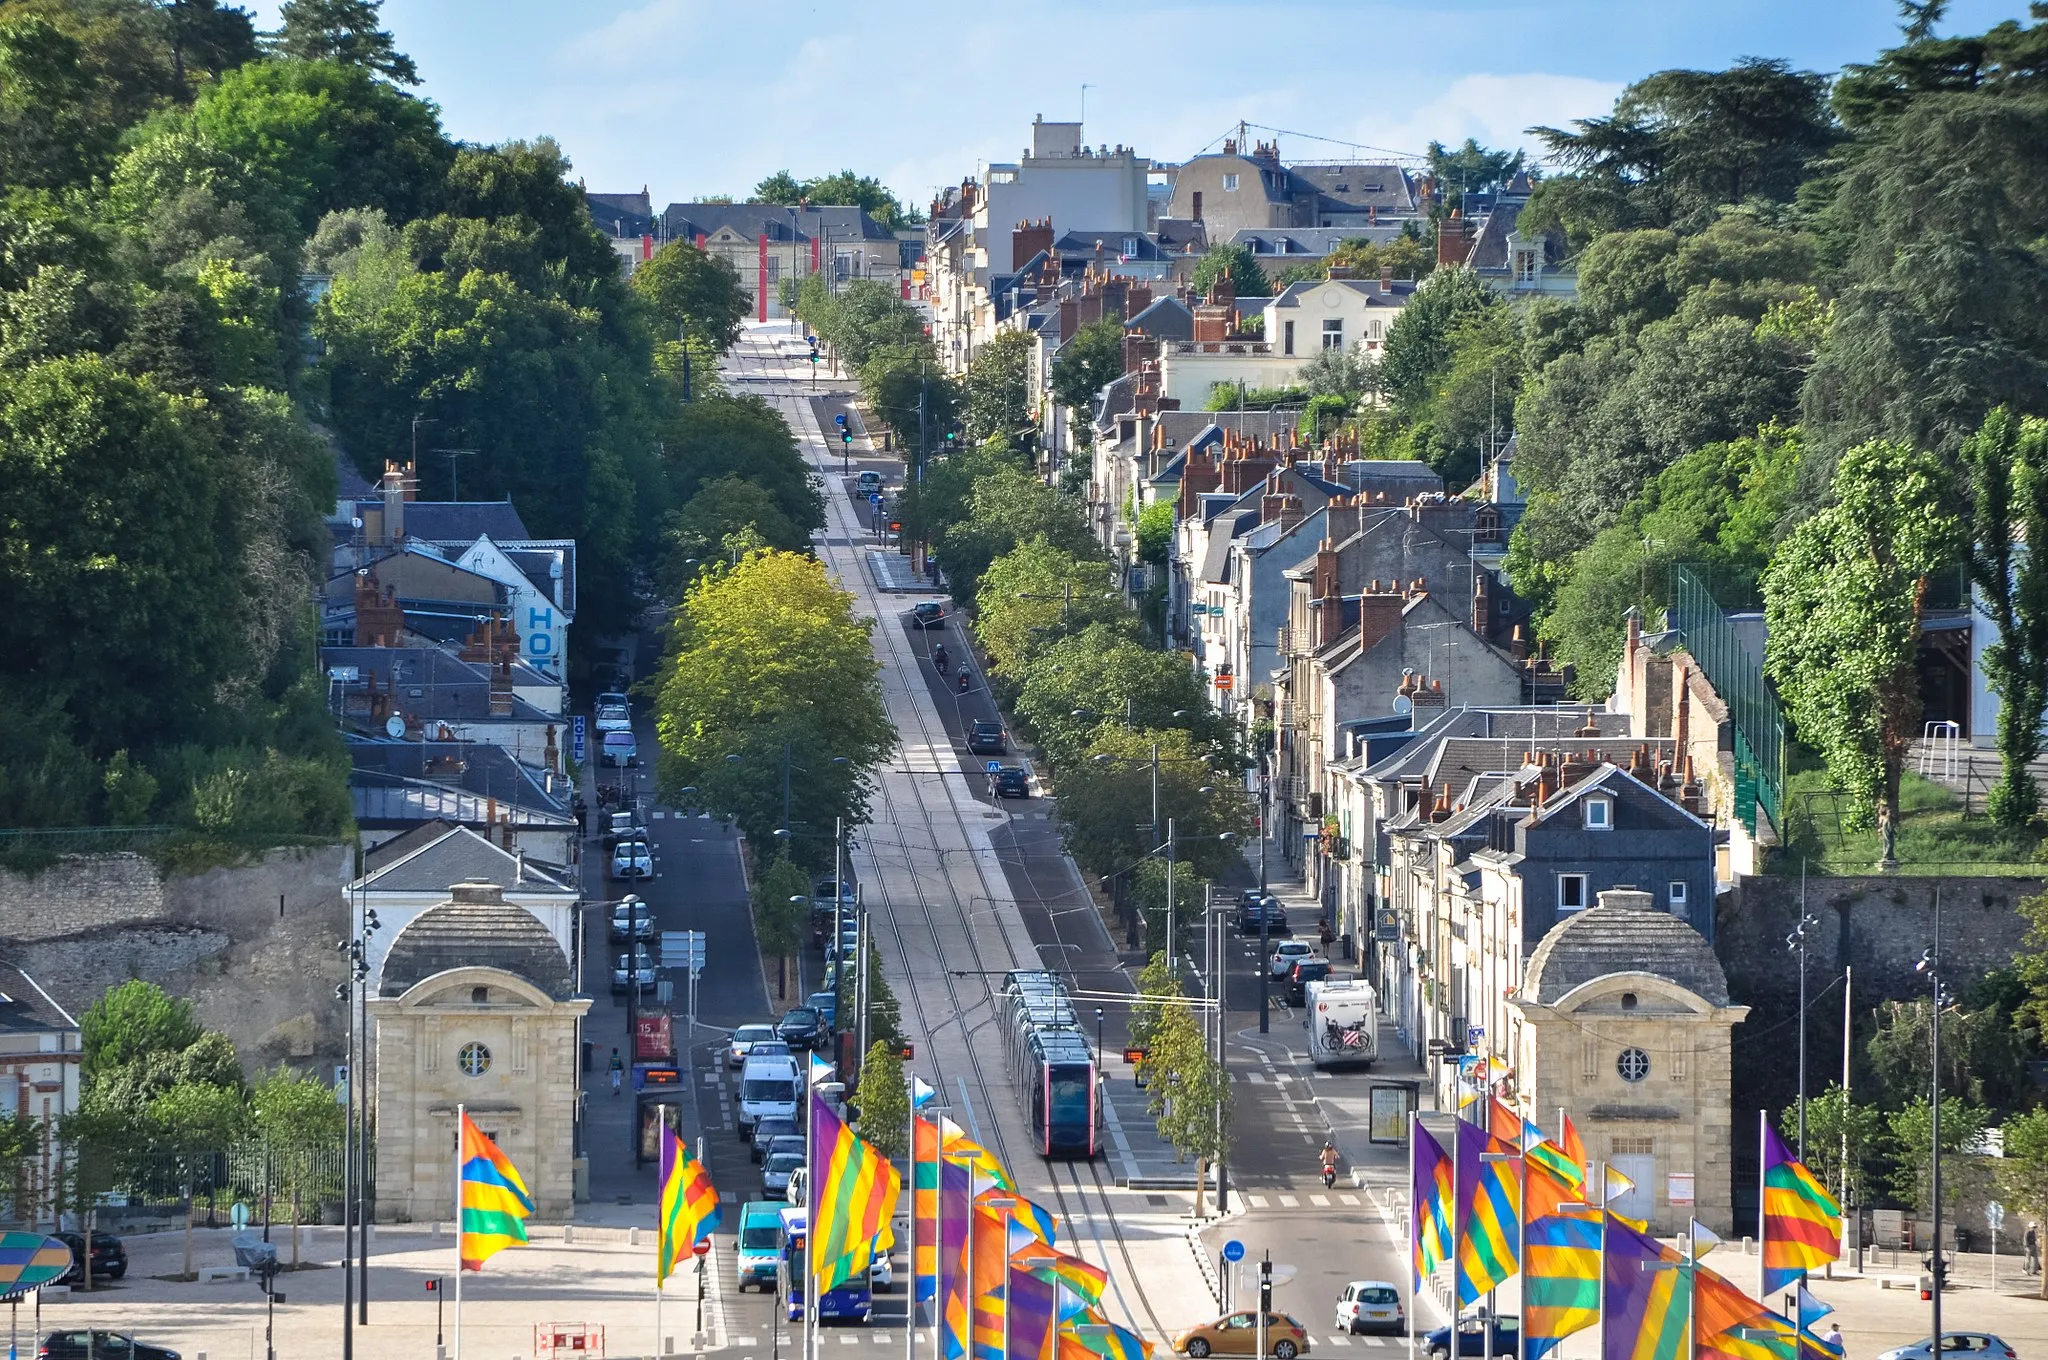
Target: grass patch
[(1935, 835)]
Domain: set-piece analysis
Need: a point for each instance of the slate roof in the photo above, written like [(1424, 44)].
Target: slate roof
[(1355, 188), (474, 768), (449, 688), (476, 928), (460, 522), (621, 214), (1167, 317), (843, 221), (438, 855), (1306, 243), (25, 1008), (1396, 295), (1598, 941)]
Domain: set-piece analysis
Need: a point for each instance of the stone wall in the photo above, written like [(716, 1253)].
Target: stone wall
[(1879, 925), (253, 947)]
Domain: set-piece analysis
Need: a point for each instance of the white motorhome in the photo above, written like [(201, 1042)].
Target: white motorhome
[(1343, 1023)]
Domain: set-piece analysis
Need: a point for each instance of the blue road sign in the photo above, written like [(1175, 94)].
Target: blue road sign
[(874, 498), (992, 765), (1233, 1250)]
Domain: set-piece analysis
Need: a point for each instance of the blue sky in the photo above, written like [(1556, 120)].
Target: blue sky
[(694, 97)]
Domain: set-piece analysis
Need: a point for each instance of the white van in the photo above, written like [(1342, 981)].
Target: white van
[(1343, 1023), (771, 1087)]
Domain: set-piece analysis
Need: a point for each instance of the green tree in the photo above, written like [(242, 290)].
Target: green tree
[(1190, 895), (1190, 1094), (897, 378), (1089, 361), (1102, 676), (1007, 508), (2023, 1171), (1912, 1130), (1420, 346), (1106, 806), (723, 514), (2006, 463), (133, 1023), (1035, 594), (781, 926), (343, 31), (1237, 261), (1830, 1117), (687, 287), (999, 387), (1155, 979), (206, 38), (1471, 168), (867, 315), (883, 1097), (1842, 603), (885, 1013), (848, 190), (780, 187), (744, 437)]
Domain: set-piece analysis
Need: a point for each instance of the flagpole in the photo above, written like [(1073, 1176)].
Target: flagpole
[(1457, 1194), (461, 1119), (939, 1291), (1415, 1237), (1601, 1306), (811, 1190), (910, 1300), (661, 1158), (1763, 1246)]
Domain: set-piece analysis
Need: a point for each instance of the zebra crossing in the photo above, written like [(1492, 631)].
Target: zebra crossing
[(1343, 1198)]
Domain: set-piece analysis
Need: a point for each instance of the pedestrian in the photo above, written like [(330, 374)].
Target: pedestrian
[(2033, 1248), (618, 1070), (1329, 936), (1834, 1335)]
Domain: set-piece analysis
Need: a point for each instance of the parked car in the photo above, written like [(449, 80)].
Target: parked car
[(109, 1257), (614, 718), (928, 614), (826, 1004), (632, 920), (1238, 1334), (776, 1168), (1254, 906), (828, 887), (868, 482), (1303, 973), (881, 1273), (802, 1027), (1954, 1346), (987, 738), (99, 1345), (1370, 1305), (1507, 1338), (743, 1040), (629, 969), (623, 826), (783, 1142), (1287, 953), (1009, 781), (632, 860), (767, 1131), (619, 749)]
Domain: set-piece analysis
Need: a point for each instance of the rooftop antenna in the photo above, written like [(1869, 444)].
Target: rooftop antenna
[(1084, 106)]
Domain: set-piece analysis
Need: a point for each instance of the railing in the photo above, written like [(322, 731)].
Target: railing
[(1255, 347), (1938, 754), (1737, 676)]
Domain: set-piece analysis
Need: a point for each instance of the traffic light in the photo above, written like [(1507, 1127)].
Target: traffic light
[(952, 438), (814, 356), (846, 437)]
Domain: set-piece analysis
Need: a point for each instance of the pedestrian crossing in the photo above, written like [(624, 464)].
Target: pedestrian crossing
[(1352, 1201)]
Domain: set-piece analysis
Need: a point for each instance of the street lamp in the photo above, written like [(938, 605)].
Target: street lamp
[(355, 1164), (1930, 964), (1796, 942)]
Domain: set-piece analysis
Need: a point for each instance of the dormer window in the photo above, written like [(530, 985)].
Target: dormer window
[(1599, 814), (1230, 184)]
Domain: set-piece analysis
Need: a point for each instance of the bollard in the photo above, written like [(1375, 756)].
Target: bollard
[(633, 1237), (568, 1234)]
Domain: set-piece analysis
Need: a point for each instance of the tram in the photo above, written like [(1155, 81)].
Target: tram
[(1052, 1065)]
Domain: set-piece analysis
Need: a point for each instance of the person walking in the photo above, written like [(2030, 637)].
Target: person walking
[(2033, 1248), (1834, 1335), (618, 1071)]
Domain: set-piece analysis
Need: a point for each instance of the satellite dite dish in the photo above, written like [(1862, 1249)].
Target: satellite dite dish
[(394, 726), (1402, 704)]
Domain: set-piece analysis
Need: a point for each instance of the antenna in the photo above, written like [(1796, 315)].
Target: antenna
[(1084, 108)]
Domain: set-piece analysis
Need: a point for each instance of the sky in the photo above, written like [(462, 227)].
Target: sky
[(698, 97)]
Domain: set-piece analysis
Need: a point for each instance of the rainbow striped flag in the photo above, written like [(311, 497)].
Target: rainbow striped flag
[(1113, 1342), (689, 1205), (991, 1281), (956, 1212), (1489, 1210), (1035, 1219), (1802, 1224), (924, 1204), (494, 1200), (1734, 1326), (960, 1148), (1083, 1278), (1560, 1280), (1430, 1232), (853, 1198), (1643, 1310), (1033, 1303), (1573, 1145)]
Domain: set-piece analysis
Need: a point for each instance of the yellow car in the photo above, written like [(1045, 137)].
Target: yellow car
[(1238, 1334)]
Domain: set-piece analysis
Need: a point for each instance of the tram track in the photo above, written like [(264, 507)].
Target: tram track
[(948, 934)]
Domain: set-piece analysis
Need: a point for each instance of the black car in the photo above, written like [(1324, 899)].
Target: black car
[(768, 1129), (802, 1027), (986, 738), (109, 1257), (1303, 973), (1008, 781), (99, 1345), (930, 614), (1253, 905)]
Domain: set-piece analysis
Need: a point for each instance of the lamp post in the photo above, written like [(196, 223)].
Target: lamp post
[(1930, 964), (1796, 942), (355, 1274)]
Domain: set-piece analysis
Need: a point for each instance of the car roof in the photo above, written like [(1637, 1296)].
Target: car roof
[(769, 1064), (761, 1026)]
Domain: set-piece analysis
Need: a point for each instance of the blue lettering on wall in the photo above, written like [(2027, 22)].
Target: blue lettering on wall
[(540, 618)]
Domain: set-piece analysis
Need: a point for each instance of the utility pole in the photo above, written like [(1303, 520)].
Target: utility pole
[(1930, 964), (1172, 951), (1796, 942)]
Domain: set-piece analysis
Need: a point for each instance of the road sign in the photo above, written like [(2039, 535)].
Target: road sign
[(683, 949), (1283, 1273), (702, 1248), (1233, 1250), (874, 498), (992, 765), (578, 730), (1473, 1034), (239, 1215), (1994, 1216)]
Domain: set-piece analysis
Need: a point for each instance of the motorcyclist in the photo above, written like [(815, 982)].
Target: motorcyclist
[(1329, 1162), (939, 657)]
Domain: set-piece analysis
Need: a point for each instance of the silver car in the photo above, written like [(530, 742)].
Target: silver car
[(743, 1040), (631, 860), (776, 1171), (1954, 1346)]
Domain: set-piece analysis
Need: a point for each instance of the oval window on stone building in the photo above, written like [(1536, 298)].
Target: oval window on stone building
[(475, 1060), (1633, 1064)]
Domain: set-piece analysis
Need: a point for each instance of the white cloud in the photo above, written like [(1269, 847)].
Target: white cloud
[(1495, 109)]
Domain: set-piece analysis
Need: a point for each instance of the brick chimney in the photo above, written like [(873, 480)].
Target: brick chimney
[(1137, 297), (1454, 239), (1198, 474), (1070, 318), (1379, 613), (396, 487), (501, 689), (1138, 348), (1324, 586), (1027, 239), (380, 619), (1482, 604)]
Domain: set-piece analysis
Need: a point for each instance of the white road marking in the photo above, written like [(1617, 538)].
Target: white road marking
[(1320, 1201), (1289, 1202)]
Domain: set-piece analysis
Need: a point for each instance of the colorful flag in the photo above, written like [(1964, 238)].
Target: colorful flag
[(1545, 1192), (1106, 1339), (1502, 1122), (924, 1207), (1734, 1326), (853, 1198), (1034, 1219), (1811, 1309), (1033, 1303), (956, 1213), (1802, 1224), (494, 1200), (1560, 1280), (1430, 1225), (961, 1148), (1643, 1308), (1574, 1147), (921, 1092), (1084, 1279), (991, 1279), (689, 1205), (1489, 1207)]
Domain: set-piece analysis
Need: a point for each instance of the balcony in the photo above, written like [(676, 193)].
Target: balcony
[(1177, 348)]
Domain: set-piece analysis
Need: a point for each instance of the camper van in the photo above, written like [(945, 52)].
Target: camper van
[(1343, 1023)]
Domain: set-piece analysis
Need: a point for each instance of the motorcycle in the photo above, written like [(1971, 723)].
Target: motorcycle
[(1329, 1177), (965, 677), (939, 659)]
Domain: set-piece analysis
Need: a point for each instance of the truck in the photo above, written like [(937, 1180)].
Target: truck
[(852, 1301), (1343, 1023)]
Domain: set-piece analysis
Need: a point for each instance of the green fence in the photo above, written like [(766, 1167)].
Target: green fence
[(1737, 675), (80, 840)]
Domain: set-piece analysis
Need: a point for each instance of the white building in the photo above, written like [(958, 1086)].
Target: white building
[(407, 876), (1301, 322)]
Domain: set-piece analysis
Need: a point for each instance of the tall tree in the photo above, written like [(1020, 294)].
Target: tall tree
[(1471, 168), (345, 31), (780, 187), (207, 37), (687, 287), (1237, 261), (883, 1098), (999, 387), (1842, 603), (2006, 462), (1087, 362)]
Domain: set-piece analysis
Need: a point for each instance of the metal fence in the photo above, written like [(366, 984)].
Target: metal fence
[(1737, 675), (246, 1170), (51, 841)]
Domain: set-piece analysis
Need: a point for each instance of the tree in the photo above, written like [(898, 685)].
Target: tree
[(1420, 347), (1155, 979), (867, 315), (343, 31), (1912, 1128), (744, 437), (131, 1024), (2006, 463), (781, 925), (1102, 676), (1842, 603), (899, 380), (1189, 1094), (883, 1098), (1237, 261), (1149, 896), (2023, 1171), (1089, 361), (780, 187), (1829, 1118), (865, 192), (999, 387), (1472, 168), (1106, 806), (729, 516), (205, 38), (1033, 595), (687, 287), (1008, 507), (885, 1014)]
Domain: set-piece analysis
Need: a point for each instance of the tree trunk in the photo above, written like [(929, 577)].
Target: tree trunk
[(1888, 814), (1201, 1182)]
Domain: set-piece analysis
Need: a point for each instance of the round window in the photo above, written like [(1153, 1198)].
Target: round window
[(474, 1059), (1633, 1064)]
